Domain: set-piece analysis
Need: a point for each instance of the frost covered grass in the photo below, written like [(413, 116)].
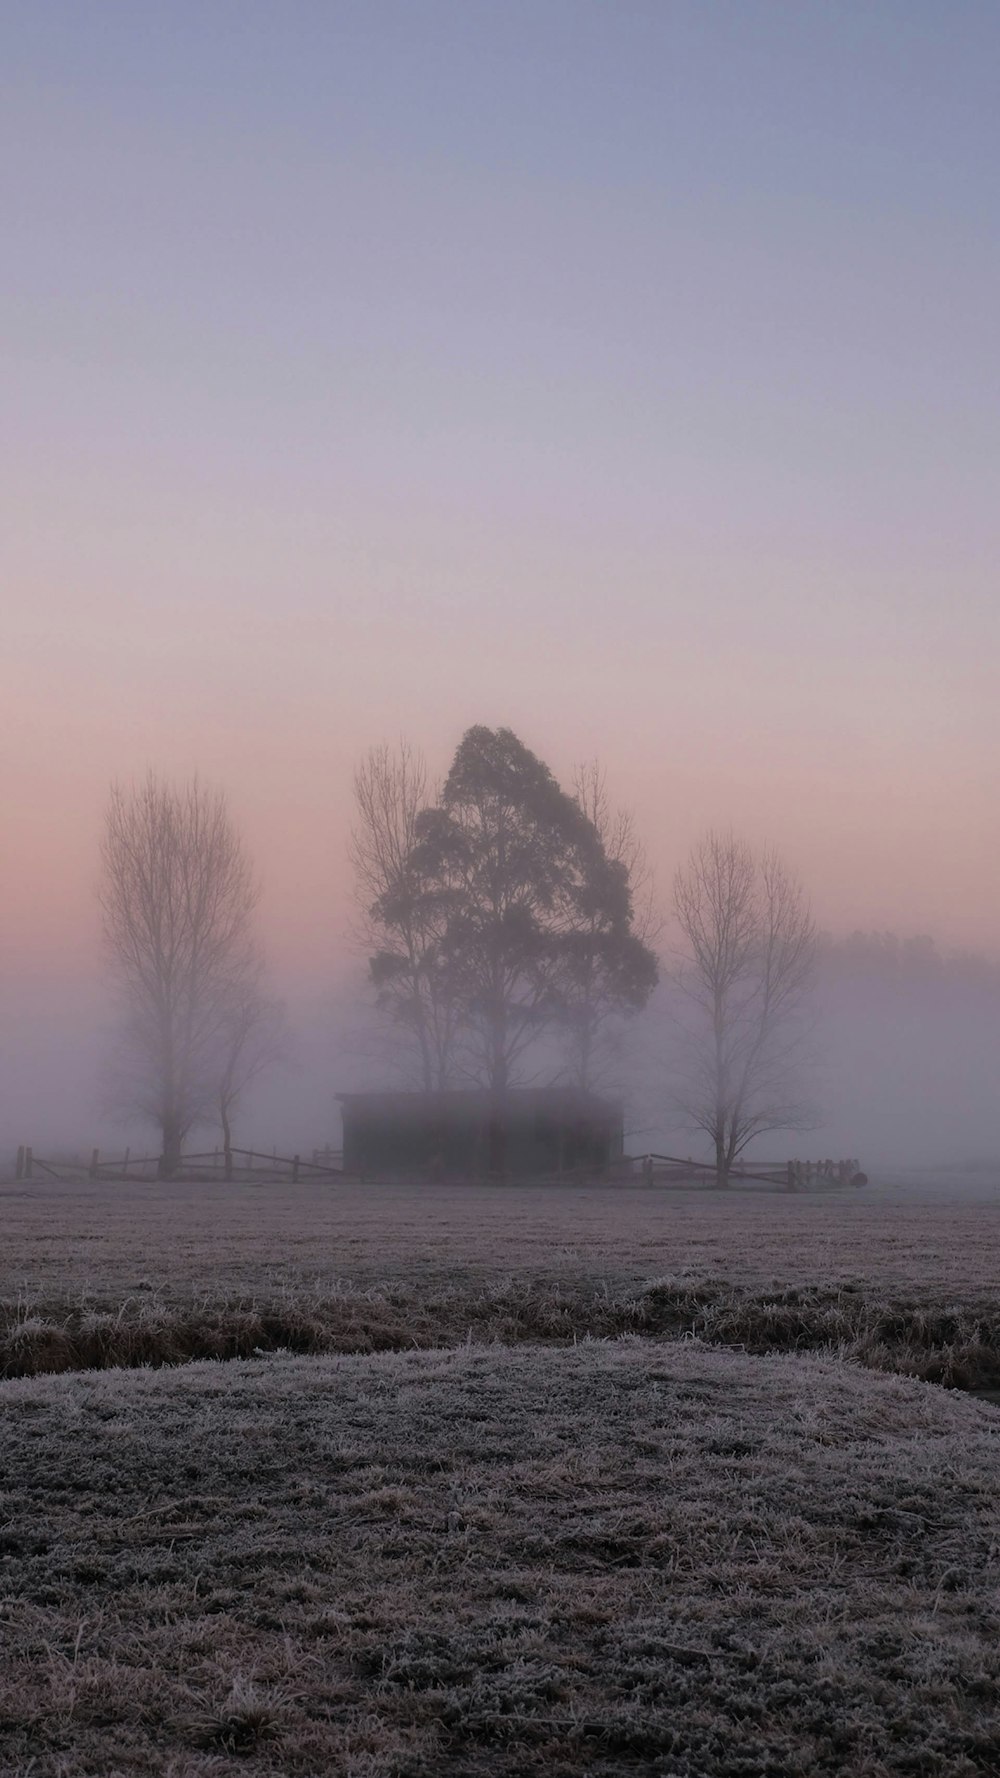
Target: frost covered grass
[(619, 1558), (109, 1240), (133, 1275), (956, 1345)]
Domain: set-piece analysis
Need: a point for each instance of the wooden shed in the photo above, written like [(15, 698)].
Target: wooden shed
[(530, 1132)]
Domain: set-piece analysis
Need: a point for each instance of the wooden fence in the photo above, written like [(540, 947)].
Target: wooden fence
[(246, 1166), (667, 1169), (672, 1169), (242, 1164)]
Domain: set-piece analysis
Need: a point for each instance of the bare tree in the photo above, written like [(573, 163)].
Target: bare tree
[(400, 925), (748, 967), (616, 829), (178, 898), (599, 998), (252, 1038)]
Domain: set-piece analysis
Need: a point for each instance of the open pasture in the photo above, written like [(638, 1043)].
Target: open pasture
[(109, 1240), (563, 1537), (620, 1558), (97, 1276)]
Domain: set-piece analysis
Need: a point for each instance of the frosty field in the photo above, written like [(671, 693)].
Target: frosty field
[(61, 1241), (898, 1279), (620, 1558), (509, 1481)]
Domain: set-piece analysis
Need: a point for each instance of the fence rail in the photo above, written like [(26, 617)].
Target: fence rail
[(238, 1163), (243, 1165), (663, 1168), (671, 1169)]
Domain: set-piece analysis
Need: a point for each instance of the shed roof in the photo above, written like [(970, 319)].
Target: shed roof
[(565, 1101)]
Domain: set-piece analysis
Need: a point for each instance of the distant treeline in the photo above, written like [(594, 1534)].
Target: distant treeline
[(889, 959)]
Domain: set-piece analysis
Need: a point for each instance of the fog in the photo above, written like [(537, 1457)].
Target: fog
[(904, 1045), (627, 376), (499, 531)]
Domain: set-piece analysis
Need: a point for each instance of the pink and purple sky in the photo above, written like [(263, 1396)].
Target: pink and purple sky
[(627, 374)]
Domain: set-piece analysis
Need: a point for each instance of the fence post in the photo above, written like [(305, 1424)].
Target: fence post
[(93, 1163), (19, 1170), (295, 1169), (27, 1163)]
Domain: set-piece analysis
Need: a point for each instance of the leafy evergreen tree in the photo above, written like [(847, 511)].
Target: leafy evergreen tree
[(534, 916)]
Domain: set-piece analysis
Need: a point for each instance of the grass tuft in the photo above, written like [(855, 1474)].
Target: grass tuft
[(957, 1345), (247, 1717)]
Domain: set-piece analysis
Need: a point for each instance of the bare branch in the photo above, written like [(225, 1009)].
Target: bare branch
[(400, 927), (177, 898), (745, 978), (599, 1000)]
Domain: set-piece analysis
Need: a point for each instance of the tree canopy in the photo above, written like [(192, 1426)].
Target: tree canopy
[(530, 917)]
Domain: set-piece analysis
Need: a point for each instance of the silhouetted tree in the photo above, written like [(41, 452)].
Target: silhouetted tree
[(611, 967), (178, 897), (252, 1038), (748, 966), (515, 878), (401, 924)]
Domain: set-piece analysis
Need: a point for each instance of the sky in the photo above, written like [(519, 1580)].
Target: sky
[(624, 373)]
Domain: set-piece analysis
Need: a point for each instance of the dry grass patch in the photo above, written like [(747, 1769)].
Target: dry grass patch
[(617, 1558), (954, 1344), (96, 1276)]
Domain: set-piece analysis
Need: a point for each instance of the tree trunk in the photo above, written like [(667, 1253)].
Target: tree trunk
[(721, 1162), (721, 1092), (497, 1144), (227, 1142), (169, 1164), (423, 1041)]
